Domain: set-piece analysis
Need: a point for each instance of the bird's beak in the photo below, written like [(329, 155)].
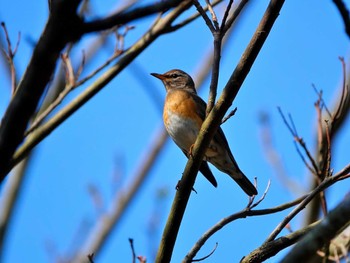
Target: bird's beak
[(158, 76)]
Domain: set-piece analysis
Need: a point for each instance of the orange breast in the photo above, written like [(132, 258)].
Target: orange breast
[(181, 103)]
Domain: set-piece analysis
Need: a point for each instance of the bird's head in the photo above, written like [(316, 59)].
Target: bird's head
[(176, 79)]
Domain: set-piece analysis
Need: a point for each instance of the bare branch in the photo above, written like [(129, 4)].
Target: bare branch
[(272, 248), (344, 12), (320, 97), (247, 212), (204, 15), (291, 127), (10, 54), (233, 112), (124, 17), (322, 234), (46, 128), (131, 241), (209, 127), (213, 15), (224, 18), (63, 26), (274, 158), (344, 174), (339, 115), (207, 256)]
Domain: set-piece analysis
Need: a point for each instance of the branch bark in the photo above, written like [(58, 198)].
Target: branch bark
[(210, 126), (63, 26), (270, 249), (60, 29), (322, 234)]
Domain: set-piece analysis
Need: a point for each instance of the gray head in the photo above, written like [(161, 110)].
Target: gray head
[(176, 79)]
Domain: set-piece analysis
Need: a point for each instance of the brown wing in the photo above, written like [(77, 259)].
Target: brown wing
[(219, 136)]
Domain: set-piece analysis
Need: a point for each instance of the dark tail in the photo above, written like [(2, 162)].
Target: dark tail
[(245, 184), (205, 170)]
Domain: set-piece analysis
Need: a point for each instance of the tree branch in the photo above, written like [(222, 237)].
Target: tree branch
[(63, 26), (45, 129), (247, 212), (270, 249), (129, 15), (60, 29), (122, 199), (339, 114), (343, 174), (344, 12), (322, 234), (209, 128)]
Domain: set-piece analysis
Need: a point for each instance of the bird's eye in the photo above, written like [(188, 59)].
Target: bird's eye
[(174, 75)]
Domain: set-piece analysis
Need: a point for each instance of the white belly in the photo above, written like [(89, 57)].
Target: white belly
[(184, 132)]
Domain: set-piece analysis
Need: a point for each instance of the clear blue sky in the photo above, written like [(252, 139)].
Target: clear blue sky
[(121, 121)]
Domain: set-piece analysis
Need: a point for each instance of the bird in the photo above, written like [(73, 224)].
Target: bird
[(183, 116)]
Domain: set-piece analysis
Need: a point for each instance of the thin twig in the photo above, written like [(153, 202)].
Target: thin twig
[(291, 127), (343, 91), (131, 241), (233, 112), (10, 54), (319, 94), (247, 212), (343, 174), (229, 22), (190, 18), (272, 248), (204, 15), (213, 15), (224, 18), (263, 196), (72, 84), (322, 234), (275, 159), (207, 256), (308, 166)]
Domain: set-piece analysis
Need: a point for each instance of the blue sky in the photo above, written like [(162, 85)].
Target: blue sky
[(122, 121)]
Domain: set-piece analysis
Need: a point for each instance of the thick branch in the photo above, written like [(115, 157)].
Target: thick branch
[(60, 29), (209, 127), (322, 234), (343, 174), (339, 113), (248, 212), (127, 16), (259, 254), (344, 12), (270, 249), (64, 25)]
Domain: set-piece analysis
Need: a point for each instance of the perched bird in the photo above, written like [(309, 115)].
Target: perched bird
[(183, 115)]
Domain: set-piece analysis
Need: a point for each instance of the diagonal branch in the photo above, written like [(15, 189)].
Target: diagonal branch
[(127, 16), (344, 12), (343, 174), (268, 249), (108, 221), (272, 248), (339, 114), (209, 127), (63, 26), (247, 212), (322, 234)]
